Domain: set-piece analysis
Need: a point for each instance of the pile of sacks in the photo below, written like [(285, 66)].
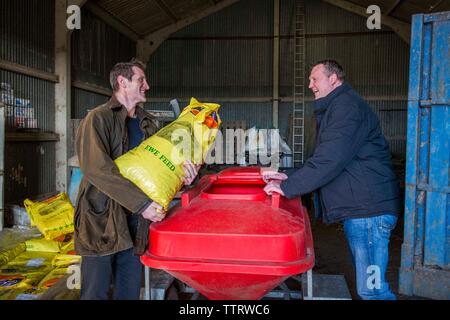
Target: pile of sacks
[(30, 268)]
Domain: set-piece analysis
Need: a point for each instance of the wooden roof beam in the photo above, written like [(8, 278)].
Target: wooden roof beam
[(393, 7), (151, 42), (111, 20), (163, 6)]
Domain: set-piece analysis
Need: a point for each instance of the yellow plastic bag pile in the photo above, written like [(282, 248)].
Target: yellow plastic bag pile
[(53, 217), (10, 254), (28, 274), (63, 245), (155, 166), (26, 270)]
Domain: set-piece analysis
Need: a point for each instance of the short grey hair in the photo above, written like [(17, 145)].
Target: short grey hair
[(124, 69), (332, 67)]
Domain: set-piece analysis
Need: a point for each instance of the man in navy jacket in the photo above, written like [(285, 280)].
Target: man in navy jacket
[(352, 175)]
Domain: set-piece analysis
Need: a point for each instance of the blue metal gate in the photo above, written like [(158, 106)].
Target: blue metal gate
[(425, 268)]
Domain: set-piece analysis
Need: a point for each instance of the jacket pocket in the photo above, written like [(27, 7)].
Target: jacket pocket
[(386, 223), (97, 232), (96, 200)]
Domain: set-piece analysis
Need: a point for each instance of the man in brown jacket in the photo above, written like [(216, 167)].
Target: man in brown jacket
[(112, 215)]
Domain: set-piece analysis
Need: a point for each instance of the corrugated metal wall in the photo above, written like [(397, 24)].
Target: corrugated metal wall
[(96, 47), (27, 39), (229, 54), (224, 55), (27, 33), (83, 100)]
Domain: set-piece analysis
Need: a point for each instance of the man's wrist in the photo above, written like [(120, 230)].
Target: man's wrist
[(144, 206)]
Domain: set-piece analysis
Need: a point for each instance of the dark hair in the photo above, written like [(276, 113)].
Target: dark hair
[(332, 66), (124, 69)]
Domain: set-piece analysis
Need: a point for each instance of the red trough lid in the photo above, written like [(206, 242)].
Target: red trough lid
[(227, 224)]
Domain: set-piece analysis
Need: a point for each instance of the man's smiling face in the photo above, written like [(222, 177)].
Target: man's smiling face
[(138, 85), (320, 83)]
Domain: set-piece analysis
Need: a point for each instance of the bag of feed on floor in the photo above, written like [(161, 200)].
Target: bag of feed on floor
[(65, 260), (155, 166), (68, 245), (53, 217), (13, 294), (43, 245), (52, 277), (11, 253), (26, 270)]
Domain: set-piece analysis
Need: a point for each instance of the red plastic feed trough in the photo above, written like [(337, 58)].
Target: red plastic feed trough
[(229, 240)]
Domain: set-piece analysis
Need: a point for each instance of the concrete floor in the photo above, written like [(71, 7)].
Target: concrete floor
[(333, 255)]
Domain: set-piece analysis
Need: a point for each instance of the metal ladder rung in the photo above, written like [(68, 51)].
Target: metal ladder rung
[(299, 82)]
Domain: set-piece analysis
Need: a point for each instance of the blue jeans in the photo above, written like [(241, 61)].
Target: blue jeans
[(368, 239)]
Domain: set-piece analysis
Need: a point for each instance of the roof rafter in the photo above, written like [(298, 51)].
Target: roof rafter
[(151, 42), (403, 29), (434, 6), (393, 7), (168, 11), (114, 22)]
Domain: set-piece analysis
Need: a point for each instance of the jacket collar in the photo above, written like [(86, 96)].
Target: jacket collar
[(115, 105), (321, 104)]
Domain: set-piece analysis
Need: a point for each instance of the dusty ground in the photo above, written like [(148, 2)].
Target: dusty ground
[(333, 255)]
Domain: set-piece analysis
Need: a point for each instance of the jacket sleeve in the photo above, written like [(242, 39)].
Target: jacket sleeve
[(340, 141), (93, 150)]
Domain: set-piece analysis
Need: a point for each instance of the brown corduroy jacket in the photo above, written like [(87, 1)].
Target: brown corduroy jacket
[(105, 198)]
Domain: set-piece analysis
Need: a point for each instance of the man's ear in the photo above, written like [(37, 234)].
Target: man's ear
[(334, 79), (121, 80)]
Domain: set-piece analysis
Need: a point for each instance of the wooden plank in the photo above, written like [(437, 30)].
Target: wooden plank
[(32, 72), (91, 88), (31, 136)]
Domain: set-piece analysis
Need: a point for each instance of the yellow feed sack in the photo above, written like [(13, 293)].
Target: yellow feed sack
[(13, 294), (52, 277), (10, 254), (65, 260), (53, 217), (26, 270), (155, 166), (44, 245)]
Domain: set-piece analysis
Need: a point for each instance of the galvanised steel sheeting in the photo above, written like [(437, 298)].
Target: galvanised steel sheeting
[(257, 114), (425, 264), (30, 170), (26, 33), (393, 119), (82, 101), (375, 64), (166, 106), (321, 18), (141, 15), (229, 68), (41, 94), (96, 48), (234, 21)]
